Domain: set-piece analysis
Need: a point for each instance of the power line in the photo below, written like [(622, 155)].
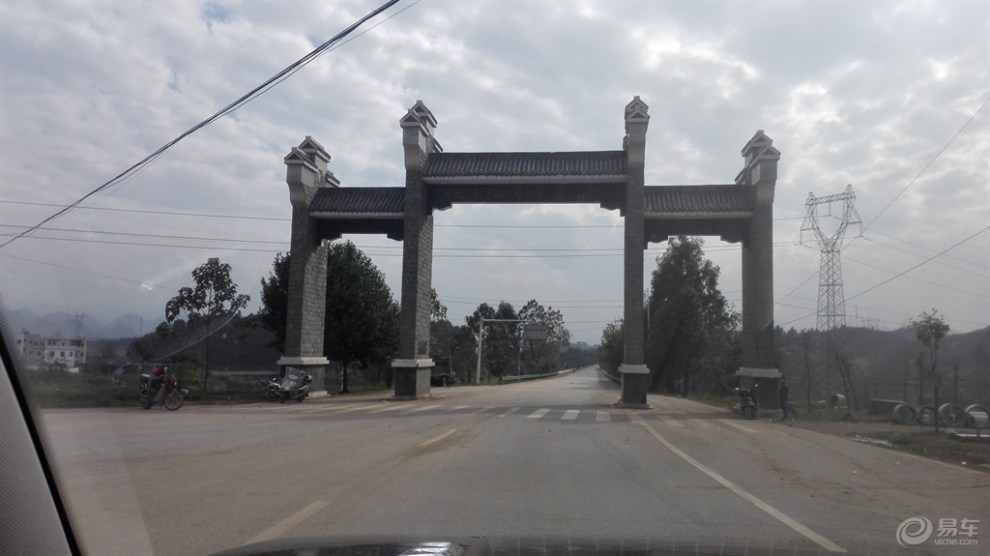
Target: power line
[(230, 108), (922, 280), (162, 212), (118, 278), (902, 273), (930, 162)]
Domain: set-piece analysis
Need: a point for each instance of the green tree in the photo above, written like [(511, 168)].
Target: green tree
[(275, 300), (362, 319), (610, 350), (540, 356), (214, 298), (691, 332), (501, 345), (929, 329)]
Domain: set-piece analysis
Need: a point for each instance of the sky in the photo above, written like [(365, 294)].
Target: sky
[(888, 97)]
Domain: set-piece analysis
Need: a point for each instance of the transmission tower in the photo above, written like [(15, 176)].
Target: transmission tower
[(831, 299)]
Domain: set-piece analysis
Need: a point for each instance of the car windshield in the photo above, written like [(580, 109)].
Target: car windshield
[(708, 276)]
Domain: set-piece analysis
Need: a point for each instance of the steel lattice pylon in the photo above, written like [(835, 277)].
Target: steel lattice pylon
[(831, 298)]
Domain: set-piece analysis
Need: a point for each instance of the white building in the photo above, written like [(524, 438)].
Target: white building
[(37, 349)]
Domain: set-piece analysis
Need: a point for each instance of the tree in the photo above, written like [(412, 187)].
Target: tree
[(610, 351), (362, 319), (542, 356), (213, 298), (275, 300), (691, 331), (501, 343), (438, 311), (929, 329)]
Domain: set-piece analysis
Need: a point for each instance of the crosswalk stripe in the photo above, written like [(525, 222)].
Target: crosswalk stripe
[(737, 426), (603, 417), (510, 410), (702, 423), (483, 409), (357, 407), (392, 407), (569, 415), (538, 413), (672, 422), (424, 408), (456, 407)]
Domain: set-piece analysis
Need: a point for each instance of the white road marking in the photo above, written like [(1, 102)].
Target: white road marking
[(603, 417), (671, 421), (702, 423), (324, 407), (424, 408), (392, 408), (521, 401), (510, 410), (456, 407), (737, 426), (357, 407), (281, 527), (569, 415), (483, 409), (770, 510), (436, 439), (538, 413)]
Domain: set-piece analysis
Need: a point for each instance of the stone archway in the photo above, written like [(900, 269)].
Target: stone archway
[(323, 210)]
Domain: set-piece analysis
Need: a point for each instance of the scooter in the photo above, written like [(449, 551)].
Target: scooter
[(295, 387), (748, 405)]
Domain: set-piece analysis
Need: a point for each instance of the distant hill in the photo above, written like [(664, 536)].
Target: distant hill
[(66, 324)]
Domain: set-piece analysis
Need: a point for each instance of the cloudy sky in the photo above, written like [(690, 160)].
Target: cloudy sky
[(888, 97)]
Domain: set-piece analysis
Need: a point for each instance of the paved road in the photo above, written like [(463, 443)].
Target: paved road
[(541, 458)]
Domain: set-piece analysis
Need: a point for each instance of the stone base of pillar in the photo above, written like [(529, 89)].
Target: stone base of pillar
[(412, 378), (763, 383), (313, 366), (635, 380)]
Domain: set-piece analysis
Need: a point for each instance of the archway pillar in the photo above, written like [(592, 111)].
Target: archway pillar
[(306, 172), (635, 376), (758, 368), (413, 365)]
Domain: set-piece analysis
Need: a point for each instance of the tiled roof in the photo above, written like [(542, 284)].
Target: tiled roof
[(594, 163), (360, 200), (698, 199)]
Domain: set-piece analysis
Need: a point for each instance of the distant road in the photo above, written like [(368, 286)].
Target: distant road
[(549, 457)]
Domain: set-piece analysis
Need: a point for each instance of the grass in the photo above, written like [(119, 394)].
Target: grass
[(927, 444)]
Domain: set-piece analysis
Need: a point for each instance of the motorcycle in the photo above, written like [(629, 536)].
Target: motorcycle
[(748, 406), (165, 390), (295, 386)]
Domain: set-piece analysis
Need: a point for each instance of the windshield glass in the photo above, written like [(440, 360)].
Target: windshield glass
[(705, 273)]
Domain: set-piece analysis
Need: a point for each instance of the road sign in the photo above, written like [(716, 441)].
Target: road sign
[(535, 332)]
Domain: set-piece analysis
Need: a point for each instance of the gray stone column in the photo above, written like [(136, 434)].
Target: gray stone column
[(633, 372), (413, 364), (758, 361), (306, 172)]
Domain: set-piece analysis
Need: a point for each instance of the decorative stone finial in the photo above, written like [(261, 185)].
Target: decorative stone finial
[(418, 141)]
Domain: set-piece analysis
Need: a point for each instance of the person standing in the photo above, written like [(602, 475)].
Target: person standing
[(782, 394)]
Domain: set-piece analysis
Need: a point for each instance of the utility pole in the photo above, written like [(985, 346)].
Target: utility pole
[(831, 299)]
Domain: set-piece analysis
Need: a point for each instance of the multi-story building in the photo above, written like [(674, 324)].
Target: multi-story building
[(38, 349)]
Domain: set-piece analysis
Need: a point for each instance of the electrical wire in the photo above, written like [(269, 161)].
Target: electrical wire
[(230, 108)]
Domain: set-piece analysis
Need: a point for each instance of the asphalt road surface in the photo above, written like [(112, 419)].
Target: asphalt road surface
[(550, 457)]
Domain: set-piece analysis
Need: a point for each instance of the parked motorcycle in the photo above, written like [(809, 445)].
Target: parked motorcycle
[(160, 387), (295, 386), (748, 406)]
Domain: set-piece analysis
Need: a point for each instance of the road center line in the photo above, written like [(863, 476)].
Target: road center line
[(281, 527), (770, 510), (436, 439)]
